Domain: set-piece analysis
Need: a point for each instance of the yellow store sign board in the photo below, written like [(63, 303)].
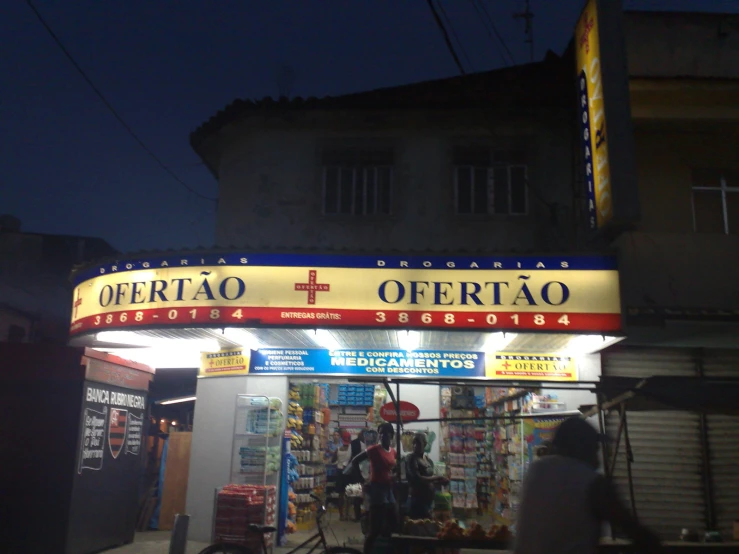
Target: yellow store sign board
[(530, 367), (226, 362), (566, 294), (594, 134)]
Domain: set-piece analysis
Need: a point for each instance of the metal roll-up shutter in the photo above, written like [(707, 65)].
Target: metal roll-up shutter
[(667, 461), (723, 444)]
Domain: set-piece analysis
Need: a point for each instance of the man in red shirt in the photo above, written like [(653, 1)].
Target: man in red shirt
[(383, 510)]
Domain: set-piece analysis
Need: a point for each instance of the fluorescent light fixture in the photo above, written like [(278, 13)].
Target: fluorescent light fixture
[(242, 337), (498, 341), (324, 339), (130, 338), (589, 344), (160, 357), (409, 340), (177, 400)]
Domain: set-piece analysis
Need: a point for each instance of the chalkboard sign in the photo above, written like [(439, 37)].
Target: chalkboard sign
[(110, 461)]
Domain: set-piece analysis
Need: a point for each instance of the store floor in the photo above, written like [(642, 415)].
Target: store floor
[(157, 542)]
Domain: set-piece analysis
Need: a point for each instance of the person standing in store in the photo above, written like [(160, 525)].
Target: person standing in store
[(333, 446), (565, 500), (357, 447), (343, 458), (421, 479), (383, 517)]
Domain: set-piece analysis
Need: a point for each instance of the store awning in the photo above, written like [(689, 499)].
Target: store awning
[(694, 394)]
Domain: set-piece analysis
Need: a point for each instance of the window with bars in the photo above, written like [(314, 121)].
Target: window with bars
[(358, 182), (488, 182), (715, 201)]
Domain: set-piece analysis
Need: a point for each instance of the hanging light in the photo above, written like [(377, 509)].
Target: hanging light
[(409, 340)]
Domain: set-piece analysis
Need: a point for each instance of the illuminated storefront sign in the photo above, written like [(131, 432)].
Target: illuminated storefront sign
[(567, 294), (592, 115), (505, 366)]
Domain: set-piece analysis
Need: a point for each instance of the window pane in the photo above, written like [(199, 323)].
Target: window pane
[(709, 217), (500, 187), (464, 190), (480, 190), (370, 190), (346, 191), (518, 190), (384, 190), (359, 186), (732, 211), (331, 190)]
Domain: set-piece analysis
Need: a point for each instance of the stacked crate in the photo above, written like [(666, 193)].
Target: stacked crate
[(238, 507), (356, 395)]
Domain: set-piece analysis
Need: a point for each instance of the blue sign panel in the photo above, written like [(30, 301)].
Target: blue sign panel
[(368, 363)]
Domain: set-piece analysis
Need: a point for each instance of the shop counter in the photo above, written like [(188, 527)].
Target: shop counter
[(405, 543)]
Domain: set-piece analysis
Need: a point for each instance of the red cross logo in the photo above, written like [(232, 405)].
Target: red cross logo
[(312, 286), (506, 364), (77, 303), (585, 38)]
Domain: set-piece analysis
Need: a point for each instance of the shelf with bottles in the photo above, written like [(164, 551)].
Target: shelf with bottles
[(256, 444)]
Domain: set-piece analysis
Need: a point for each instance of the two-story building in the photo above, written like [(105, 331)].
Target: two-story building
[(342, 221), (679, 263)]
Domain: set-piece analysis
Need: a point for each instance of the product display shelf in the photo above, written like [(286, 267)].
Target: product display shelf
[(509, 449), (257, 440), (308, 418)]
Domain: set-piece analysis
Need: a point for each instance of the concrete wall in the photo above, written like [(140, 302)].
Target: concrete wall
[(663, 44), (271, 178), (666, 155), (212, 441)]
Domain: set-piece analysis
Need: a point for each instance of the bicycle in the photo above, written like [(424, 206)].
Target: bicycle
[(318, 540)]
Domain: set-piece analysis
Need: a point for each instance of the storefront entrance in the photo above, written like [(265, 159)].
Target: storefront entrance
[(298, 354)]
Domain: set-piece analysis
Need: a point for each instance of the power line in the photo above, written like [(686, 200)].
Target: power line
[(495, 30), (476, 5), (448, 42), (454, 34), (111, 109)]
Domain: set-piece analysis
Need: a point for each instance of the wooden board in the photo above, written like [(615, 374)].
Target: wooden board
[(176, 473)]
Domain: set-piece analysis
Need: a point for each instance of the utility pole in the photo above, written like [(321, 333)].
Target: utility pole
[(528, 16)]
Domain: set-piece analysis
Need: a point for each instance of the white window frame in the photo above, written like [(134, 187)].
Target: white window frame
[(724, 189), (363, 171), (490, 208)]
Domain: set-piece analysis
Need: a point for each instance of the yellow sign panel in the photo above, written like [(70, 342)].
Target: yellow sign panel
[(579, 295), (592, 117), (530, 367), (226, 362)]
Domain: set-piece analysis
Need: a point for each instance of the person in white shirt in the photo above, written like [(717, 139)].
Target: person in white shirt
[(565, 500)]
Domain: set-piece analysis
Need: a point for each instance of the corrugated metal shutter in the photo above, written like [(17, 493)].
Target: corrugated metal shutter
[(723, 444), (667, 465)]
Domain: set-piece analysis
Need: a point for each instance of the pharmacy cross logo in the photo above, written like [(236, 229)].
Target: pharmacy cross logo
[(585, 38), (77, 302), (506, 364), (312, 286)]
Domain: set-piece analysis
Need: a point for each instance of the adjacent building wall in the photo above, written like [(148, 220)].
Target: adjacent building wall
[(271, 183)]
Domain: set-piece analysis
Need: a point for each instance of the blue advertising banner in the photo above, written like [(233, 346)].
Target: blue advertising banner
[(376, 363)]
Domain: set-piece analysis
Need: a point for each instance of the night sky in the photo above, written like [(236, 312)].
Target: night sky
[(68, 167)]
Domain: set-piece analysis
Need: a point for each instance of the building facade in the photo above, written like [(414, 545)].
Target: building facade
[(35, 290), (472, 163), (679, 263)]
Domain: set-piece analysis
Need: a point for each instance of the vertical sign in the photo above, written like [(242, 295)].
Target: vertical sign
[(593, 118)]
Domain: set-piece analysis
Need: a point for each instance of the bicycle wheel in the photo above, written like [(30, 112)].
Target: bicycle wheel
[(342, 550), (226, 549)]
